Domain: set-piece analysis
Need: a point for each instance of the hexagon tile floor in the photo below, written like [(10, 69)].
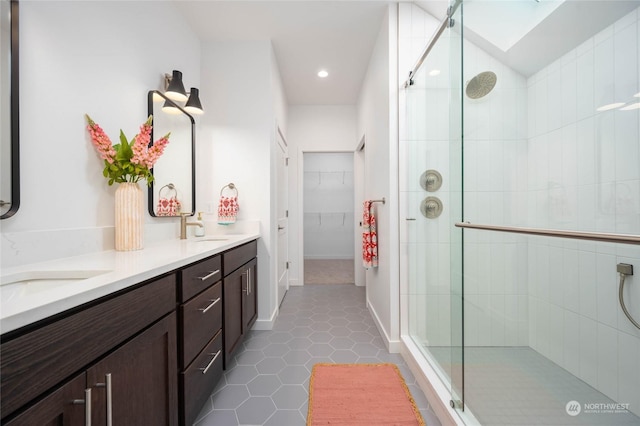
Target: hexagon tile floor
[(268, 381)]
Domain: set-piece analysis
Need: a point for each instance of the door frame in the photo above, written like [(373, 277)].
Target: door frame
[(283, 146), (359, 181), (300, 206)]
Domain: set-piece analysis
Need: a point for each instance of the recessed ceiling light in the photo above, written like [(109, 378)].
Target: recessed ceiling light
[(610, 106), (433, 73), (323, 73)]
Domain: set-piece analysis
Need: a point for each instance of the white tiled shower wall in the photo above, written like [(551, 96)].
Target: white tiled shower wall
[(584, 173), (538, 154)]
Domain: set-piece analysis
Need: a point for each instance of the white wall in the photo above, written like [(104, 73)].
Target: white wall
[(312, 128), (73, 63), (99, 58), (238, 134), (377, 121)]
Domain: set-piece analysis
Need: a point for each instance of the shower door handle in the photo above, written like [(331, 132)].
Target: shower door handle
[(409, 218)]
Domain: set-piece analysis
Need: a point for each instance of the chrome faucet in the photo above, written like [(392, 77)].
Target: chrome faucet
[(184, 224)]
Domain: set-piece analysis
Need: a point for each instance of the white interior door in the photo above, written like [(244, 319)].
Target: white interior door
[(283, 218)]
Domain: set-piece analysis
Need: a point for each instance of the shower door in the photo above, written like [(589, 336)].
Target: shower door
[(432, 189), (456, 166), (551, 148)]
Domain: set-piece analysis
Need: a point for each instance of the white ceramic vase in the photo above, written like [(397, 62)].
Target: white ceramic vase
[(129, 217)]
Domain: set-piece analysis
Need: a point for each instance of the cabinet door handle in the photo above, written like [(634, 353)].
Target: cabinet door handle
[(204, 310), (87, 406), (109, 400), (205, 369), (209, 275), (246, 290), (107, 384)]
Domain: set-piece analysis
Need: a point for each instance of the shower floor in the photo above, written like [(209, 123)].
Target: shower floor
[(518, 386)]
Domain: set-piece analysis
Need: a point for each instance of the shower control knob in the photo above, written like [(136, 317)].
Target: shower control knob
[(431, 180), (431, 207)]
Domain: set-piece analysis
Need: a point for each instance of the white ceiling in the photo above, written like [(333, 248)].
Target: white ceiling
[(339, 35), (306, 36)]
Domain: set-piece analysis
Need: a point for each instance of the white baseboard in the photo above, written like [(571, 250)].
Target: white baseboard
[(393, 346), (266, 324)]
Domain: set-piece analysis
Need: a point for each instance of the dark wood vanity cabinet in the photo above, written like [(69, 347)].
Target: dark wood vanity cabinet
[(119, 354), (200, 335), (147, 355), (240, 295)]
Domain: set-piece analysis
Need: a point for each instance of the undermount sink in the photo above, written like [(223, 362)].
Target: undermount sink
[(24, 284), (199, 240)]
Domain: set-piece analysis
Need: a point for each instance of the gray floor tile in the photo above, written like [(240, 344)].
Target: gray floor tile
[(271, 365), (290, 397), (344, 356), (256, 410), (219, 417), (241, 374), (287, 417), (267, 382), (293, 375), (230, 397), (264, 385)]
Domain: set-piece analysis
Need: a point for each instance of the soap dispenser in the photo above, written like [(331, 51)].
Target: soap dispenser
[(199, 230)]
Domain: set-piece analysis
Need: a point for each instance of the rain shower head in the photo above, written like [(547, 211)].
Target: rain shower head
[(480, 85)]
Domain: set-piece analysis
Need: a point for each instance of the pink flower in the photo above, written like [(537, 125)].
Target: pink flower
[(156, 150), (141, 144), (127, 161), (101, 141)]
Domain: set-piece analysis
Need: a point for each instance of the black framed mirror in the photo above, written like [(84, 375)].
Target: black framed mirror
[(9, 110), (173, 190)]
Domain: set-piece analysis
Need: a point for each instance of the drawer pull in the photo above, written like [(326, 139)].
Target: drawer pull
[(216, 355), (209, 275), (107, 386), (87, 406), (204, 310)]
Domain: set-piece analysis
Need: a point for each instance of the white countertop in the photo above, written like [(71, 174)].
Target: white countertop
[(117, 270)]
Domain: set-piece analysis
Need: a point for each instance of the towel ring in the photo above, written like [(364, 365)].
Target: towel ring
[(231, 186), (170, 187)]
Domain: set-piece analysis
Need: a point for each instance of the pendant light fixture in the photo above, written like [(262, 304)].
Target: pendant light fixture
[(193, 104), (174, 90)]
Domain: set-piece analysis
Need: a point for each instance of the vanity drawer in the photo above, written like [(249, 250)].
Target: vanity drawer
[(199, 380), (235, 258), (201, 318), (199, 276)]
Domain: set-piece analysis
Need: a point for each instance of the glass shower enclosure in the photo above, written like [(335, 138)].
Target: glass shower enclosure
[(521, 210)]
